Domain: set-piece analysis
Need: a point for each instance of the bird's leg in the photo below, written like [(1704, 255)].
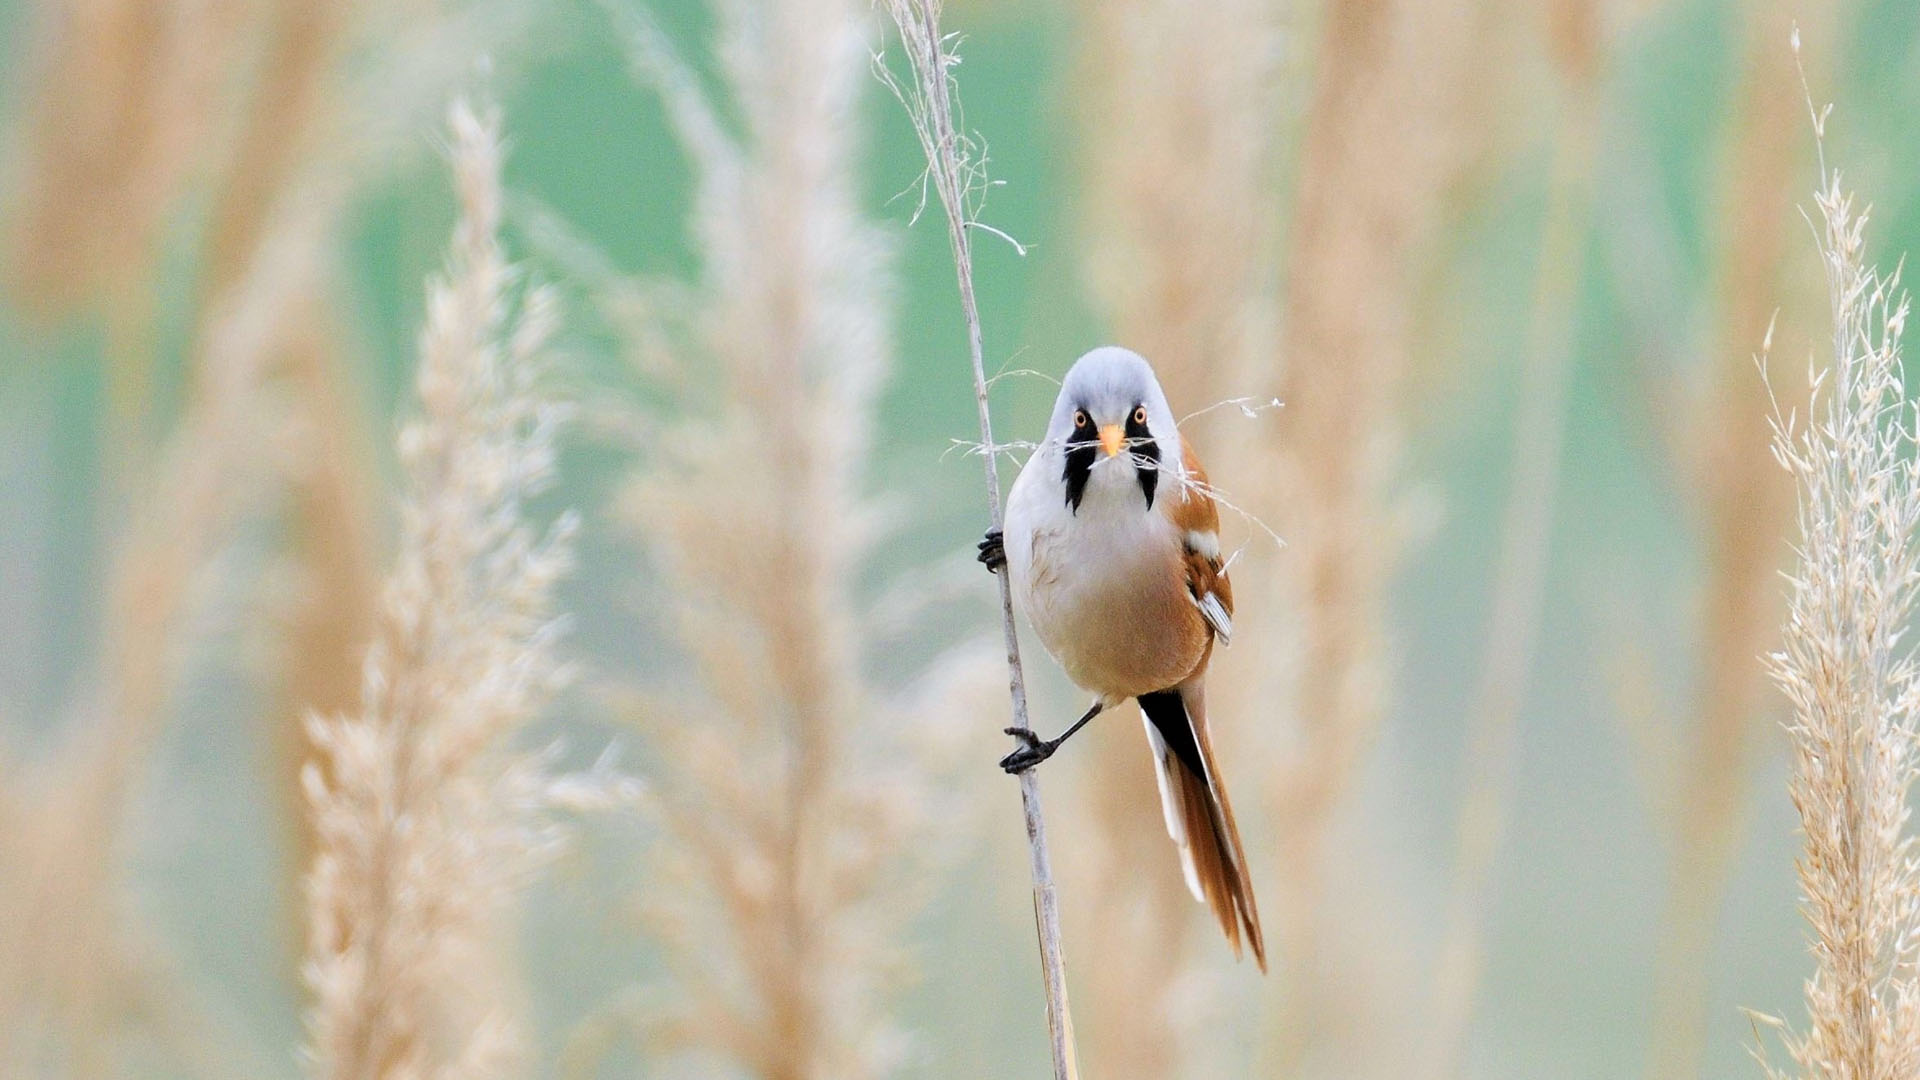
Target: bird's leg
[(993, 551), (1037, 749)]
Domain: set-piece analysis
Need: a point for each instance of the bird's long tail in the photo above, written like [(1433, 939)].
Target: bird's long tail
[(1199, 817)]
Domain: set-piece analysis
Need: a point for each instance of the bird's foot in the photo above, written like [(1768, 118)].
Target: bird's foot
[(993, 552), (1033, 753)]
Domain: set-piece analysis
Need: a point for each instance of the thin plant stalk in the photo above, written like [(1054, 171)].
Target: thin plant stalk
[(958, 179)]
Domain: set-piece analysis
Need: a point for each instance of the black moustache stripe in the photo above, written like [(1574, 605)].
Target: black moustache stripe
[(1080, 456), (1083, 450), (1146, 456)]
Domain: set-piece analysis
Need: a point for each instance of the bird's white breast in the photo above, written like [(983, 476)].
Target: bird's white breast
[(1104, 587)]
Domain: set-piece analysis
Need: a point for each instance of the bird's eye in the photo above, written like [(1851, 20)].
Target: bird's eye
[(1140, 415), (1079, 418)]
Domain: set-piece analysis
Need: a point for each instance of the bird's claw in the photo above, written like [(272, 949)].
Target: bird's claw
[(993, 551), (1033, 753)]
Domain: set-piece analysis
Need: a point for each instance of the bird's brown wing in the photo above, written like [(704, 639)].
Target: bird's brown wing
[(1199, 815), (1197, 518)]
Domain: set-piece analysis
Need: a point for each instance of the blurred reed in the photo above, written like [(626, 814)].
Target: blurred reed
[(1746, 507), (126, 108), (131, 105), (801, 832), (140, 110), (1180, 109), (1181, 166), (127, 105), (81, 981), (338, 96), (1387, 136), (1848, 671), (1577, 43), (79, 974), (330, 562), (427, 821)]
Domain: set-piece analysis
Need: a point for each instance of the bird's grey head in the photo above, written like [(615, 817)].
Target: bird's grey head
[(1113, 429)]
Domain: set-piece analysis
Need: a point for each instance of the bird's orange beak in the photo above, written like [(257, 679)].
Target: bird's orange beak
[(1112, 439)]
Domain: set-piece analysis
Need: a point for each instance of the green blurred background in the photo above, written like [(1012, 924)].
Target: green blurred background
[(1581, 875)]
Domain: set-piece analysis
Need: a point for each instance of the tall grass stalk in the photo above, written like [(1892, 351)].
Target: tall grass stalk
[(426, 821), (1848, 668), (958, 179), (125, 104)]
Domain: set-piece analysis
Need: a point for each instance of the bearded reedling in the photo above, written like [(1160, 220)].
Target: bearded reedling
[(1112, 544)]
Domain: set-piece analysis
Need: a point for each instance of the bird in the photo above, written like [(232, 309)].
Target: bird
[(1111, 544)]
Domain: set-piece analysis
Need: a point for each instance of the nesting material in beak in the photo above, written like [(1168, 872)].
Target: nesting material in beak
[(1112, 439)]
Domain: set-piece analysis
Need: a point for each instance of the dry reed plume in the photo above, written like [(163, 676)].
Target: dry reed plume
[(427, 822), (338, 95), (796, 810), (1181, 105), (1848, 671)]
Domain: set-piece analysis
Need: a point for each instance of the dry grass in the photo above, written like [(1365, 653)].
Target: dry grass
[(127, 104), (129, 107), (284, 109), (85, 989), (1180, 174), (332, 557), (792, 790), (133, 102), (78, 971), (1848, 671), (427, 822), (802, 828), (331, 564)]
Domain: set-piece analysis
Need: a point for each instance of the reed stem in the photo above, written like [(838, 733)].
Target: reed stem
[(957, 179)]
